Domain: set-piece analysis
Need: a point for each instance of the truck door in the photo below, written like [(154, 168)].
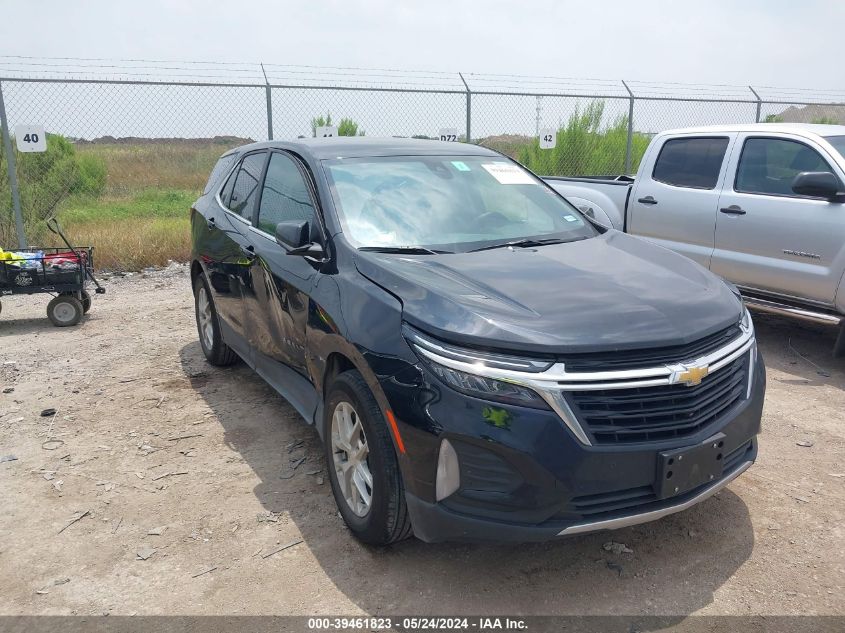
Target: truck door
[(675, 198), (767, 236)]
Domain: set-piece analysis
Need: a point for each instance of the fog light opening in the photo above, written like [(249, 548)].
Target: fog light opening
[(448, 471)]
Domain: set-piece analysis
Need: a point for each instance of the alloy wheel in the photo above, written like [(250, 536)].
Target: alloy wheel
[(351, 452)]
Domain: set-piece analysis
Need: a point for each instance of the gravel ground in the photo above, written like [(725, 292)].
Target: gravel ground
[(174, 469)]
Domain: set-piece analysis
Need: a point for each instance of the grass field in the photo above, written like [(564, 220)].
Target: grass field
[(141, 218)]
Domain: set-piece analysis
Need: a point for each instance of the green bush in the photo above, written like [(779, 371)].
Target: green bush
[(45, 179), (585, 148), (346, 127)]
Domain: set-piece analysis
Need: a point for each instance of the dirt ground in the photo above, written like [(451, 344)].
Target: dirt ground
[(176, 469)]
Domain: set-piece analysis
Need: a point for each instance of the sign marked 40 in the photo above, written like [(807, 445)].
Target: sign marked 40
[(30, 138)]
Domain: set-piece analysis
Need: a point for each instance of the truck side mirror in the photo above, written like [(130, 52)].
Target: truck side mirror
[(818, 184)]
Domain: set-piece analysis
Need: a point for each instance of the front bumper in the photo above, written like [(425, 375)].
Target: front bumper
[(433, 522), (526, 477)]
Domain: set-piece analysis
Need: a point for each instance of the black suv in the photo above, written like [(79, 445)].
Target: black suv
[(481, 360)]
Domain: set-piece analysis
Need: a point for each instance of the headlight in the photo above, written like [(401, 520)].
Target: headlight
[(487, 388), (476, 384)]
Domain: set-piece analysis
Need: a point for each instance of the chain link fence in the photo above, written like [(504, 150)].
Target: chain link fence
[(125, 159)]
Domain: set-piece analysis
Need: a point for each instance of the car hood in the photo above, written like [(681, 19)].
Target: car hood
[(610, 292)]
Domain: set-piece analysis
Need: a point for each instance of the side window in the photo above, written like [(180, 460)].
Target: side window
[(244, 185), (690, 162), (285, 196), (769, 165), (223, 165)]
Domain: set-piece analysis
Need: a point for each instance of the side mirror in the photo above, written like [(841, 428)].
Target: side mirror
[(817, 184), (292, 234), (296, 237)]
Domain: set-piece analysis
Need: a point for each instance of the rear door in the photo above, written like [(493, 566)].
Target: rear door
[(674, 201), (227, 248), (767, 236), (282, 283)]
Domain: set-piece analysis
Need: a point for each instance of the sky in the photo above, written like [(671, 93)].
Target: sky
[(766, 42)]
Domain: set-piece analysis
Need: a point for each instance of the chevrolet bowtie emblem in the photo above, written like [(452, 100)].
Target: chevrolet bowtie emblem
[(689, 375)]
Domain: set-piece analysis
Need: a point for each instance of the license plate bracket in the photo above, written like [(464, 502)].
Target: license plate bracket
[(682, 469)]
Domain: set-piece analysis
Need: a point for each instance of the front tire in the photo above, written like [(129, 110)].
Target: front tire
[(362, 464), (208, 326)]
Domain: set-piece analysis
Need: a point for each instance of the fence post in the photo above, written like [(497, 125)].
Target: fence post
[(12, 172), (469, 108), (759, 102), (629, 143), (269, 94)]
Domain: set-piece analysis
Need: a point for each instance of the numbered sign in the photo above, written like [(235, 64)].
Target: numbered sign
[(448, 134), (548, 138), (30, 138), (327, 131)]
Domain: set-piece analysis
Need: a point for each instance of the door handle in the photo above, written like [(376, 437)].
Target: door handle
[(733, 210), (647, 200), (211, 223)]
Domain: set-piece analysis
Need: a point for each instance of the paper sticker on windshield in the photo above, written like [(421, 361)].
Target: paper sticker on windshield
[(508, 174), (460, 166), (570, 218)]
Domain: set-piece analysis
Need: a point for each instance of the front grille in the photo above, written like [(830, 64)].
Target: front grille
[(655, 356), (624, 416)]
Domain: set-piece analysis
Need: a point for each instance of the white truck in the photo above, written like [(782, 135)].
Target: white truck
[(762, 205)]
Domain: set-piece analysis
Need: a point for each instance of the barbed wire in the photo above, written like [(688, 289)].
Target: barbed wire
[(357, 77)]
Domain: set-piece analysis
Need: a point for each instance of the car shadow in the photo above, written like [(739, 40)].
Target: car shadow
[(803, 350), (675, 566)]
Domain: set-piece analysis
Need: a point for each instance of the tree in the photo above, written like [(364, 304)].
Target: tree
[(346, 127), (584, 147), (47, 178)]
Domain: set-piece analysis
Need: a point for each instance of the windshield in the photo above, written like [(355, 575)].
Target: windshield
[(447, 203), (838, 143)]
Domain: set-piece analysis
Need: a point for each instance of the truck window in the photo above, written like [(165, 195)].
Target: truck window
[(769, 165), (690, 162)]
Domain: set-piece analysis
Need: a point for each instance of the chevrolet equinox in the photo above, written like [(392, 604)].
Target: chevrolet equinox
[(480, 359)]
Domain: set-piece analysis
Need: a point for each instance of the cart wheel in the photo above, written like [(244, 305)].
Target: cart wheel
[(64, 310), (86, 302)]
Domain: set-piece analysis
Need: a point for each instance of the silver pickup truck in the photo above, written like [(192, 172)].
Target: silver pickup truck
[(762, 205)]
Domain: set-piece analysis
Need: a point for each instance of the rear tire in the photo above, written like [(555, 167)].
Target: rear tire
[(65, 310), (208, 326), (383, 518)]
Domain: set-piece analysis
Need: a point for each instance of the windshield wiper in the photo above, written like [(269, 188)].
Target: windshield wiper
[(527, 243), (408, 250)]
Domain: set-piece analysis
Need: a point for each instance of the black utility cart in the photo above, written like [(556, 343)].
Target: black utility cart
[(65, 272)]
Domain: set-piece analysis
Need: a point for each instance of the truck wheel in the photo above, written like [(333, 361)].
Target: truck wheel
[(839, 346), (208, 326), (86, 301), (362, 464), (65, 310)]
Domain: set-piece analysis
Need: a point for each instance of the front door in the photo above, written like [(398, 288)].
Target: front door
[(282, 283), (770, 238), (674, 200)]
